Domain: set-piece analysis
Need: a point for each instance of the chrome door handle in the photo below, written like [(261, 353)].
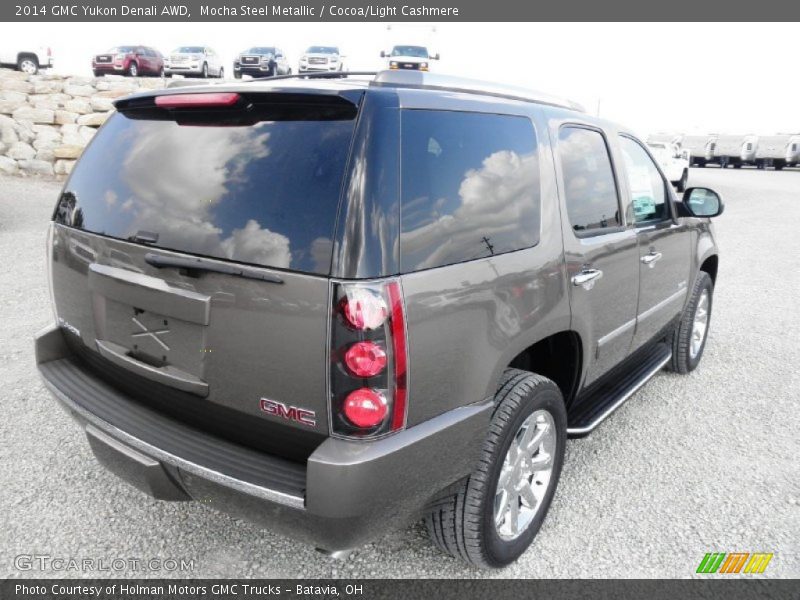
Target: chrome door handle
[(587, 278), (651, 259)]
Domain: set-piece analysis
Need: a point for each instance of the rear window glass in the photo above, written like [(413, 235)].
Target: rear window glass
[(470, 187), (264, 194)]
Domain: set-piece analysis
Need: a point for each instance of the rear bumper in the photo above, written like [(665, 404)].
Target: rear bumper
[(347, 494)]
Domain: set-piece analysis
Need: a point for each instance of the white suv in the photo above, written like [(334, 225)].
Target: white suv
[(321, 58), (28, 60), (194, 61), (673, 161)]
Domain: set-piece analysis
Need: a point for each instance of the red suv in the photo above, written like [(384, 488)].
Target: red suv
[(129, 60)]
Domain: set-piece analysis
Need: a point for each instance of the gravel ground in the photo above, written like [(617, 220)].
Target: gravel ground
[(690, 465)]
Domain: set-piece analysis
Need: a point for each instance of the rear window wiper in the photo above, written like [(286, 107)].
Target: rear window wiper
[(203, 264)]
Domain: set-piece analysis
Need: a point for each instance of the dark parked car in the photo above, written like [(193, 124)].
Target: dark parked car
[(377, 300), (261, 61), (129, 60)]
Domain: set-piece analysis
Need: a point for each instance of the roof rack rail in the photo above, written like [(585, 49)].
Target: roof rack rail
[(433, 81)]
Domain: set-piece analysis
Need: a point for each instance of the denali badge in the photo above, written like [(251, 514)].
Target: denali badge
[(292, 413)]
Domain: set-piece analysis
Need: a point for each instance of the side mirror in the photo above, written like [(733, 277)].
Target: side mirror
[(703, 202), (436, 57), (383, 54)]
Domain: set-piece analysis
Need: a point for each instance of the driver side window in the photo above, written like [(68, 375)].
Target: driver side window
[(647, 188)]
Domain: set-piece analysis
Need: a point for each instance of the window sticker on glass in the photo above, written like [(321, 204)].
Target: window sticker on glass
[(647, 187), (643, 206)]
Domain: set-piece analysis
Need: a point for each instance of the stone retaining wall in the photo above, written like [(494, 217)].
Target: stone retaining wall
[(46, 120)]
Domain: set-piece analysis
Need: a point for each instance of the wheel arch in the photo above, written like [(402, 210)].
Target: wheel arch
[(710, 265), (23, 55), (557, 356)]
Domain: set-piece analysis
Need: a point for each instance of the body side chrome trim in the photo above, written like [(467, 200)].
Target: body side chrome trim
[(615, 333), (681, 293)]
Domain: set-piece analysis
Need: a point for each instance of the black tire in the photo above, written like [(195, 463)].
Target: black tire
[(98, 73), (779, 166), (681, 185), (204, 72), (461, 523), (737, 166), (133, 70), (237, 74), (683, 361), (221, 74)]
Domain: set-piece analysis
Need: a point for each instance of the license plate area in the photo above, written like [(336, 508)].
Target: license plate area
[(154, 338), (150, 327)]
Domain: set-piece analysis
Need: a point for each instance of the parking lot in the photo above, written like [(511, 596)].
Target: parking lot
[(691, 464)]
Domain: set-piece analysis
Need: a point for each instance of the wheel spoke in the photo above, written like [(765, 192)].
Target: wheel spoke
[(513, 514), (542, 462), (533, 437), (500, 508), (505, 477), (528, 497)]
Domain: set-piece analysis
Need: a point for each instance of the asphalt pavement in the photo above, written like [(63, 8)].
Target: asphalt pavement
[(691, 464)]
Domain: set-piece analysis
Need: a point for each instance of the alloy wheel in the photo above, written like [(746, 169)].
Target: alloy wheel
[(700, 325), (525, 475)]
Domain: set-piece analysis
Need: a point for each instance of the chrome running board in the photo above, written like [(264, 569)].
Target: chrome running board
[(608, 397)]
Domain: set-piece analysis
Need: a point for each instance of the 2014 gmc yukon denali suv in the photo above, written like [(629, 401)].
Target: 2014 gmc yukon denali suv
[(337, 305)]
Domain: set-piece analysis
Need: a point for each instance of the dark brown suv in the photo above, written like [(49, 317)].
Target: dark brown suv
[(337, 305)]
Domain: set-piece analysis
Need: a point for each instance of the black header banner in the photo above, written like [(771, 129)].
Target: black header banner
[(395, 10), (369, 589)]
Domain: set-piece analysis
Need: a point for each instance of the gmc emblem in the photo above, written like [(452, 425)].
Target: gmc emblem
[(291, 413)]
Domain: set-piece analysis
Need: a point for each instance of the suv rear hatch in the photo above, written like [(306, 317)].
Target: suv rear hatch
[(191, 254)]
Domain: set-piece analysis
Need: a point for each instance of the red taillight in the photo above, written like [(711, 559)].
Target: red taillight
[(400, 349), (364, 308), (205, 100), (369, 356), (365, 359), (365, 408)]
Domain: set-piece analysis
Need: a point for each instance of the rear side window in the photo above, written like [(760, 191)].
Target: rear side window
[(589, 186), (470, 187), (263, 193)]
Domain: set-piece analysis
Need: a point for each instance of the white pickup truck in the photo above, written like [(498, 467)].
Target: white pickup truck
[(415, 58), (26, 59), (674, 162)]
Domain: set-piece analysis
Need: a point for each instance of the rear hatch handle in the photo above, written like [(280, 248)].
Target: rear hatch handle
[(203, 264)]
